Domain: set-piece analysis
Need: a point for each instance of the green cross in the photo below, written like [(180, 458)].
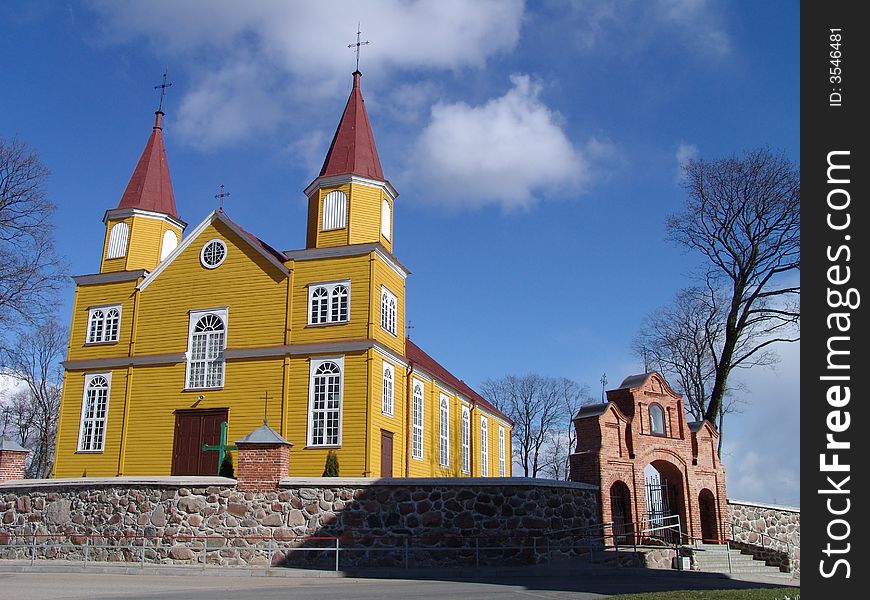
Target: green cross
[(221, 447)]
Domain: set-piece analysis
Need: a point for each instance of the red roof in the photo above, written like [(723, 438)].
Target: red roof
[(353, 147), (416, 355), (150, 187)]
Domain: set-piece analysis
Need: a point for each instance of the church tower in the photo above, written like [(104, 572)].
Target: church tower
[(351, 202), (145, 227)]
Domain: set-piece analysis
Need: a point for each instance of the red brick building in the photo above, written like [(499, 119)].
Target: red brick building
[(650, 463)]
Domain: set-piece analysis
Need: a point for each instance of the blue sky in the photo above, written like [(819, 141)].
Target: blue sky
[(536, 149)]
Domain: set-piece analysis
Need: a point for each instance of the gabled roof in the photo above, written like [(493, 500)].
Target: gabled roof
[(353, 146), (641, 380), (150, 187), (417, 356)]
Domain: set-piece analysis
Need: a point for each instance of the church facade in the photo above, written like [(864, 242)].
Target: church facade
[(185, 341)]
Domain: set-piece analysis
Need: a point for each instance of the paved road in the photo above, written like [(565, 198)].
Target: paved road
[(103, 586)]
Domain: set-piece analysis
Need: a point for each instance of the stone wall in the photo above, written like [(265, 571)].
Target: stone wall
[(207, 519), (768, 531)]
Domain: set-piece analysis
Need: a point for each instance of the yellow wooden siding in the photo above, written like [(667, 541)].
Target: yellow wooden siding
[(365, 215), (253, 289), (334, 237), (109, 265), (395, 423), (385, 276), (71, 463), (88, 296), (355, 268)]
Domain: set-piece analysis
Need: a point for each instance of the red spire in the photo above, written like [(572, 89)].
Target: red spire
[(353, 147), (150, 187)]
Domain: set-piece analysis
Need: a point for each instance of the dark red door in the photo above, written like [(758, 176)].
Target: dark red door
[(194, 429), (386, 454)]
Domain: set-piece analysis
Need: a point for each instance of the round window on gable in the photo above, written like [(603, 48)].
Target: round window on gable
[(213, 254)]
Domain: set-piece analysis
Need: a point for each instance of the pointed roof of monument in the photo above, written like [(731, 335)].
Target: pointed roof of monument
[(150, 187), (353, 147)]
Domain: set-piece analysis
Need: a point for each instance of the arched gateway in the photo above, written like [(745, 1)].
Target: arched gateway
[(651, 465)]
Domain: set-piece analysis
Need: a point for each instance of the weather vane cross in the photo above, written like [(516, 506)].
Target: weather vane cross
[(357, 45), (603, 381), (220, 197), (162, 87), (408, 329)]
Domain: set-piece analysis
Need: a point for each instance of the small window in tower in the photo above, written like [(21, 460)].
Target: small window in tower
[(657, 419), (388, 311), (117, 240), (170, 243), (329, 303), (213, 254), (104, 324), (334, 210), (386, 220)]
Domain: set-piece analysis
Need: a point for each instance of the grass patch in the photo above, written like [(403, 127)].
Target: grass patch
[(751, 594)]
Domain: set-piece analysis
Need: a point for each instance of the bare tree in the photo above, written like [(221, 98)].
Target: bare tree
[(33, 411), (743, 216), (562, 440), (30, 271), (540, 407)]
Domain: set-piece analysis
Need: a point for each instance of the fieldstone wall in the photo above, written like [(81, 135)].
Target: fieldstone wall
[(781, 528), (208, 520)]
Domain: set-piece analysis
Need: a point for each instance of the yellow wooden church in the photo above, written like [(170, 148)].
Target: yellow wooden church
[(178, 334)]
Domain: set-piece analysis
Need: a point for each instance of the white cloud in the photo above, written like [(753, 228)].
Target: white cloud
[(685, 153), (503, 152), (287, 54)]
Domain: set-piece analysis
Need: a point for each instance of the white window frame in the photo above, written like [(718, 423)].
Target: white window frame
[(465, 429), (206, 245), (389, 314), (418, 418), (169, 243), (389, 390), (444, 431), (386, 218), (194, 318), (502, 465), (331, 289), (484, 447), (103, 421), (99, 315), (119, 234), (314, 365), (334, 211)]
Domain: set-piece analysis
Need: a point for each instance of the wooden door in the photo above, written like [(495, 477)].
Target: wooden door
[(194, 429), (386, 453)]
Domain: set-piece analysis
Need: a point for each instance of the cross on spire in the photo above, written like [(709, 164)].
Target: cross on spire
[(603, 384), (162, 88), (408, 329), (357, 45), (220, 197)]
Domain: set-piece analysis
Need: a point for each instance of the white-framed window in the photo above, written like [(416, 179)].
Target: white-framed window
[(213, 254), (206, 342), (466, 440), (389, 388), (386, 221), (417, 421), (657, 419), (444, 430), (118, 240), (334, 210), (324, 402), (170, 243), (388, 310), (104, 324), (329, 302), (95, 407), (484, 447), (502, 466)]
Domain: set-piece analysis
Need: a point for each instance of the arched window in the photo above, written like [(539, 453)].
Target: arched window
[(170, 243), (389, 388), (417, 421), (118, 240), (324, 425), (388, 311), (444, 445), (319, 305), (104, 324), (386, 220), (95, 405), (339, 301), (205, 363), (484, 447), (334, 210), (329, 302), (657, 419), (501, 453), (466, 440)]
